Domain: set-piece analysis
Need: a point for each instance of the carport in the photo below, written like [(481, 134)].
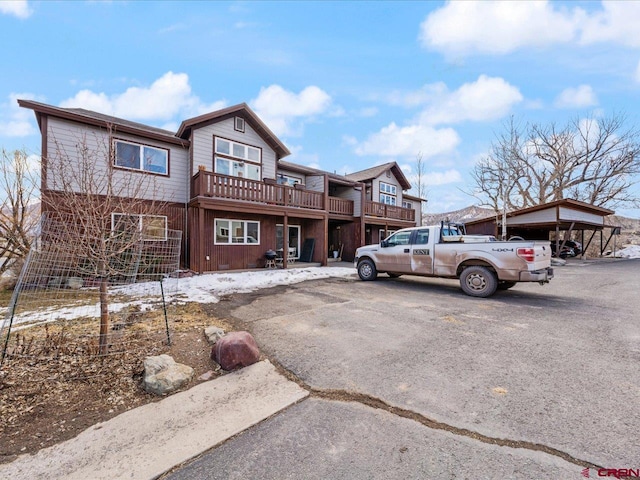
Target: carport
[(539, 222)]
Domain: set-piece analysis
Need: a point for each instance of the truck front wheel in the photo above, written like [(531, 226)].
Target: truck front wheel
[(367, 270), (478, 281)]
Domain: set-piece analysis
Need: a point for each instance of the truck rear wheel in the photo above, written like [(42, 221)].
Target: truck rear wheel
[(478, 281), (367, 270)]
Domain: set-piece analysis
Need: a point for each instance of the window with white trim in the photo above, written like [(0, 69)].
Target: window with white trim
[(387, 199), (387, 193), (152, 227), (135, 156), (288, 180), (236, 232), (237, 160), (238, 124), (406, 204)]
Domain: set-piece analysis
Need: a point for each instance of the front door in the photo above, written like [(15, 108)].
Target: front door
[(395, 256)]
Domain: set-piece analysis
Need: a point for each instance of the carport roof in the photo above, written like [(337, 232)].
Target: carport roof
[(563, 214)]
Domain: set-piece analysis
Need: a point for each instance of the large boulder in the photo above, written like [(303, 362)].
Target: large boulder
[(234, 350), (163, 375)]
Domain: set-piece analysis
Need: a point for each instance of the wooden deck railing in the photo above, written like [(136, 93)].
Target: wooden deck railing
[(340, 206), (210, 184), (376, 209)]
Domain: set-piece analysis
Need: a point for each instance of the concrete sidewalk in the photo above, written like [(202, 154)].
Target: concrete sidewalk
[(147, 441)]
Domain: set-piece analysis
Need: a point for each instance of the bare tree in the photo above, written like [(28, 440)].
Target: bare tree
[(594, 160), (100, 212), (419, 179), (19, 213)]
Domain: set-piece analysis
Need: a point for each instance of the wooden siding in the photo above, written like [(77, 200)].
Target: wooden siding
[(202, 145), (243, 256), (235, 188), (65, 139), (382, 210)]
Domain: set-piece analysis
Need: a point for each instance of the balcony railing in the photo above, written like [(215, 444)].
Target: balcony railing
[(340, 206), (210, 184), (376, 209)]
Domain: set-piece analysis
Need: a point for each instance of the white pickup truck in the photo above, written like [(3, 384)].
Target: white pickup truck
[(482, 264)]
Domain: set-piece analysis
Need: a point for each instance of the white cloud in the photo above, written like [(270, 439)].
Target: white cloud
[(579, 97), (165, 98), (462, 28), (16, 121), (497, 27), (19, 8), (285, 112), (393, 140), (443, 178), (617, 22), (488, 98)]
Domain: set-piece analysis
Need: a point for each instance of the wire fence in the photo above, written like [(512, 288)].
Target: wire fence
[(81, 300)]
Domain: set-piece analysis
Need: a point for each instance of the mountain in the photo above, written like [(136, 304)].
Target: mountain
[(463, 215)]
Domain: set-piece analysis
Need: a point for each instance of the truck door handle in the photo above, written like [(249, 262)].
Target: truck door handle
[(406, 250)]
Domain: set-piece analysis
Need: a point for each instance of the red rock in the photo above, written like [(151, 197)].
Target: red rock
[(235, 349)]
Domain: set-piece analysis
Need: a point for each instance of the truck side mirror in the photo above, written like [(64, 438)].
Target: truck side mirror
[(384, 244)]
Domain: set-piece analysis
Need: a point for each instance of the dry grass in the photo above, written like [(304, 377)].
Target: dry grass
[(53, 383)]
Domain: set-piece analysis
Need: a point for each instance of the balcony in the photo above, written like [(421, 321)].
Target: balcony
[(382, 210), (340, 206), (214, 185)]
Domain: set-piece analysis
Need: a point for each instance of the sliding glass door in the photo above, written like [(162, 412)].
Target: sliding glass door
[(294, 240)]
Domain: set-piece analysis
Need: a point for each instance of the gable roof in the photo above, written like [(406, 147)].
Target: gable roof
[(245, 112), (375, 172), (101, 120), (334, 177)]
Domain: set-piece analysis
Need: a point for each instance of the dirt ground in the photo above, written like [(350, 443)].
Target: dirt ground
[(52, 386)]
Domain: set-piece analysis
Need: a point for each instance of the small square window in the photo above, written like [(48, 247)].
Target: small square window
[(239, 124)]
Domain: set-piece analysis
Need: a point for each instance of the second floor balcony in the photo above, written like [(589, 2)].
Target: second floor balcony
[(382, 210), (209, 184)]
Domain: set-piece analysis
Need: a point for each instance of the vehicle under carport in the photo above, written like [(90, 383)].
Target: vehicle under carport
[(541, 222)]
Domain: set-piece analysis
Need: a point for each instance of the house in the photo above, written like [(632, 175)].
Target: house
[(223, 182)]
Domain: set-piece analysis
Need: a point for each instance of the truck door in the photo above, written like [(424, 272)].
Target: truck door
[(422, 253), (395, 254)]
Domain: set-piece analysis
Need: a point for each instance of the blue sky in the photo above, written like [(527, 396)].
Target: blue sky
[(345, 85)]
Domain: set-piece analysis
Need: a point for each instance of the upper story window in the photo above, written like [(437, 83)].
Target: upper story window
[(153, 227), (387, 193), (238, 160), (407, 204), (387, 188), (288, 180), (145, 158), (238, 124)]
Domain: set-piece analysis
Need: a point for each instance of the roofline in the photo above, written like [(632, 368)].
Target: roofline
[(565, 202), (404, 183), (187, 125), (334, 177), (44, 109)]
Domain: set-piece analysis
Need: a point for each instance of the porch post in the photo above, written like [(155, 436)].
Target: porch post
[(201, 247), (285, 240)]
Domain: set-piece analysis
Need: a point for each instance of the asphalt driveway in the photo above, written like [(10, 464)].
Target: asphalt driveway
[(411, 378)]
